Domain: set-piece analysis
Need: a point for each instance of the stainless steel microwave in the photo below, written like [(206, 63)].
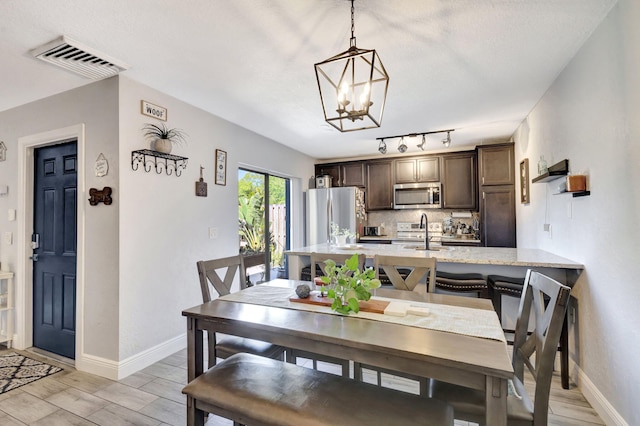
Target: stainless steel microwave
[(417, 195)]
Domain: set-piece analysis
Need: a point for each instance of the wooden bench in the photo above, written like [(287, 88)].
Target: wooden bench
[(254, 390)]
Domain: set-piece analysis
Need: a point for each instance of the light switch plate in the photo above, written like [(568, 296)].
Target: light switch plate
[(11, 215), (7, 237)]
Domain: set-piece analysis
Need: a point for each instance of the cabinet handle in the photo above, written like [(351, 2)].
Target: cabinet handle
[(483, 194), (483, 180)]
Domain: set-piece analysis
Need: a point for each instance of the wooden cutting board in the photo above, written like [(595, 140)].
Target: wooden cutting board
[(374, 306)]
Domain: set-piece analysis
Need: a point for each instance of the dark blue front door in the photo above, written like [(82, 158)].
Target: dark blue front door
[(54, 265)]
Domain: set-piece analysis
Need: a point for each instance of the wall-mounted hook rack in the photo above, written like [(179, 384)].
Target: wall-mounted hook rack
[(158, 160)]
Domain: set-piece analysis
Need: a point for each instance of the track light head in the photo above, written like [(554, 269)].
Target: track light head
[(382, 147), (421, 145), (402, 147)]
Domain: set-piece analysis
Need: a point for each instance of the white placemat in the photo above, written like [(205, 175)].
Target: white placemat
[(453, 319)]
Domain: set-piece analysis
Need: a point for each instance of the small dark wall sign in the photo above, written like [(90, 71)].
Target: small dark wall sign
[(201, 186), (100, 196)]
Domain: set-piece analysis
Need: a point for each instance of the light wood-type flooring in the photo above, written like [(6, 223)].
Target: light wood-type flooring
[(153, 397)]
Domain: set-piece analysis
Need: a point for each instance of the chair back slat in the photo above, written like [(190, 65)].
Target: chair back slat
[(420, 267), (547, 300), (340, 259), (209, 271)]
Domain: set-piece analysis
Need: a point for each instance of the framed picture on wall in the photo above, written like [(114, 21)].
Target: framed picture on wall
[(221, 167), (524, 181)]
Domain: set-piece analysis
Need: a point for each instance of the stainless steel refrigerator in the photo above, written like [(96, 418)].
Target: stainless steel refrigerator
[(343, 206)]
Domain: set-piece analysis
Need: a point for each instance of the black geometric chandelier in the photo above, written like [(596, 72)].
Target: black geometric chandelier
[(353, 87)]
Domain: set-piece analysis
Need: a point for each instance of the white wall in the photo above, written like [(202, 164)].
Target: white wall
[(140, 252), (590, 116), (164, 226), (96, 106)]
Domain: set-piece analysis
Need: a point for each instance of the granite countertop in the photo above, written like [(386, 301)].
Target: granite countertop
[(457, 254)]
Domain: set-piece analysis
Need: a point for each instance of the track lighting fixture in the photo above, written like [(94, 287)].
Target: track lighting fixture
[(382, 147), (402, 146), (424, 140), (447, 141)]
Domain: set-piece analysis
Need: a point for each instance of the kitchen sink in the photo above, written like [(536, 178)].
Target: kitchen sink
[(421, 247)]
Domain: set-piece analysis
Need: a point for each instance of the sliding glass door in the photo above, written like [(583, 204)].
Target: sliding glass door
[(263, 199)]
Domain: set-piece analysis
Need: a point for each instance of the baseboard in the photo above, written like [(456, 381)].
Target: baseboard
[(605, 410), (115, 370)]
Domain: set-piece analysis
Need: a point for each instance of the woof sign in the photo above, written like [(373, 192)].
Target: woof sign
[(154, 111)]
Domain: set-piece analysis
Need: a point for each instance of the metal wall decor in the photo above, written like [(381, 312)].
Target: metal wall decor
[(353, 87), (221, 167), (201, 185), (524, 181), (160, 162), (100, 196)]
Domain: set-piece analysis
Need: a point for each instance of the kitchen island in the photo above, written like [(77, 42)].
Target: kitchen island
[(512, 262), (484, 260)]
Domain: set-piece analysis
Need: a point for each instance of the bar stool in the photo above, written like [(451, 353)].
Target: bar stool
[(462, 283), (499, 285)]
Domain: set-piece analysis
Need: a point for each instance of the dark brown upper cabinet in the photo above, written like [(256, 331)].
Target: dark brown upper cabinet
[(496, 165), (423, 169), (497, 195), (353, 174), (332, 170), (343, 174), (379, 192), (459, 185)]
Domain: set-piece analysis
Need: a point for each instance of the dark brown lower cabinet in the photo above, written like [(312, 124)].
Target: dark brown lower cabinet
[(498, 216)]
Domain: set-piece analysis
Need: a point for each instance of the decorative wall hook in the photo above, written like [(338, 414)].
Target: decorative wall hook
[(100, 196)]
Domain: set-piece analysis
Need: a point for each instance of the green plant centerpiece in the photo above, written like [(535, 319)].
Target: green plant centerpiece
[(347, 284), (162, 138)]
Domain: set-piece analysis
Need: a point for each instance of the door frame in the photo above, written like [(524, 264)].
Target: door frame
[(24, 269)]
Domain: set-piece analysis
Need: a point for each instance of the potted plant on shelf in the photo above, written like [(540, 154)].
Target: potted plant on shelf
[(347, 284), (163, 138)]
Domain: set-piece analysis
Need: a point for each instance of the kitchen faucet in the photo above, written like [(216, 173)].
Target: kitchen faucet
[(426, 230)]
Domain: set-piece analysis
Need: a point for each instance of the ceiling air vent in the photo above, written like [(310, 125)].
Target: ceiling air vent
[(78, 58)]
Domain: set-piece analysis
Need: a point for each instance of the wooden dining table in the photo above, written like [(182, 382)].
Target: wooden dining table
[(474, 362)]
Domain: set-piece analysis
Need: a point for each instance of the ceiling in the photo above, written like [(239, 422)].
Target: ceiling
[(477, 66)]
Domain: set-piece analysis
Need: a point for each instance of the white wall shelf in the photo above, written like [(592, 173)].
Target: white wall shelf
[(6, 307)]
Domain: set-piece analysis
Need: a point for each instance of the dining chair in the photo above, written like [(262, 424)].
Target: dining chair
[(317, 261), (419, 267), (535, 351), (223, 346)]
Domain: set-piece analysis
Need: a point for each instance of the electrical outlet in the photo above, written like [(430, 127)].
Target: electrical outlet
[(213, 233), (7, 237)]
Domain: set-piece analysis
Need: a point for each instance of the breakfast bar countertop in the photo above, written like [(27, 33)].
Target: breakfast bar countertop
[(470, 255)]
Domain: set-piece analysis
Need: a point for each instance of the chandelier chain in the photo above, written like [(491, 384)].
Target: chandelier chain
[(353, 26)]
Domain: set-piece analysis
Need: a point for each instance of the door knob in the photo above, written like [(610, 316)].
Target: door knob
[(34, 257)]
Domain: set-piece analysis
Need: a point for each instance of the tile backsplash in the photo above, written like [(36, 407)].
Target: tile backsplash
[(389, 218)]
